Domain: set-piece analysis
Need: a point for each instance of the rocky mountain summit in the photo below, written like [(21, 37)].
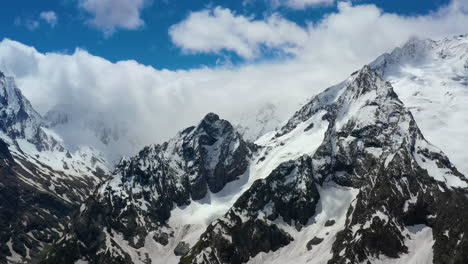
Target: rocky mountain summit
[(42, 180), (350, 178), (132, 209), (431, 78)]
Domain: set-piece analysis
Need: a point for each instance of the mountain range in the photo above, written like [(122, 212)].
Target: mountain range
[(371, 170)]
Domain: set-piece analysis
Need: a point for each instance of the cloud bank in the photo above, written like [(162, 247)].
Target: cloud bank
[(153, 104)]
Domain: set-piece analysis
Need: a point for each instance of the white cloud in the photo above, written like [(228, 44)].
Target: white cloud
[(50, 17), (156, 103), (110, 15), (303, 4), (220, 29)]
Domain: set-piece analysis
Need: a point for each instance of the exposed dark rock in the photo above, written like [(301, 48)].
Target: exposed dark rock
[(288, 192), (181, 249), (313, 242), (309, 127), (330, 222), (162, 238)]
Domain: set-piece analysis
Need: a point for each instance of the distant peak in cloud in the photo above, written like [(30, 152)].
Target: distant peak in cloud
[(218, 29), (50, 17), (111, 15)]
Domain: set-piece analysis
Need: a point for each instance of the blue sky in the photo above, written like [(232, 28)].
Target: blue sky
[(150, 44)]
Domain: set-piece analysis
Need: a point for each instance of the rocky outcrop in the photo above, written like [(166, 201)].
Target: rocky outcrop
[(17, 117), (144, 190), (248, 228)]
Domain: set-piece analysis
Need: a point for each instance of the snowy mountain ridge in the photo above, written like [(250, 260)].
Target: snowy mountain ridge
[(18, 118), (354, 145), (42, 180), (431, 78)]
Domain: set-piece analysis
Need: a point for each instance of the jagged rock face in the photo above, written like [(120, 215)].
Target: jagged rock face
[(248, 227), (199, 159), (17, 116), (144, 190), (372, 144), (41, 181), (37, 201)]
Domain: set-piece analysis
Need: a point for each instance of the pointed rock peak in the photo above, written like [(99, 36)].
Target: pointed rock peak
[(2, 75), (18, 117), (365, 72), (367, 80), (211, 117), (363, 87), (212, 126)]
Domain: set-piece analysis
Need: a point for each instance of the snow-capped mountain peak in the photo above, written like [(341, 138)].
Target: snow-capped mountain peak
[(43, 179), (431, 78), (17, 117)]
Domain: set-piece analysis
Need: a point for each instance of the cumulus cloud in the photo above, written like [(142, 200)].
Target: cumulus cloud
[(110, 15), (154, 104), (49, 17), (220, 29)]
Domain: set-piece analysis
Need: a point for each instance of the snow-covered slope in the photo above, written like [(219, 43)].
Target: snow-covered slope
[(42, 180), (431, 78), (393, 188), (350, 178)]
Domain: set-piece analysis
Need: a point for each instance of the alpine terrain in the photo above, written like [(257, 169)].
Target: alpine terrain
[(354, 176), (43, 181)]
